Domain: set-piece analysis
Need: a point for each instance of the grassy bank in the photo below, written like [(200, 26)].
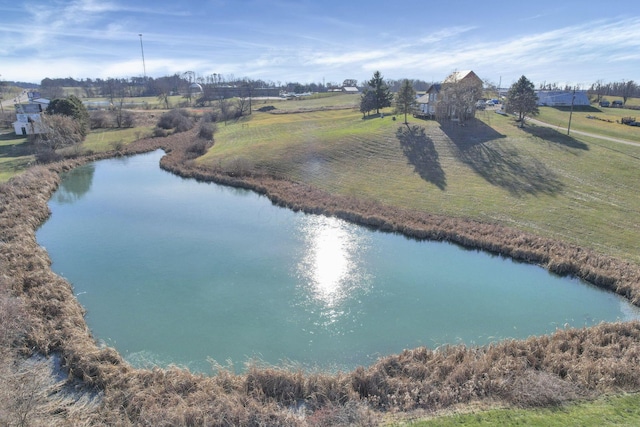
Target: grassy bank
[(14, 156), (597, 120), (534, 179), (604, 412)]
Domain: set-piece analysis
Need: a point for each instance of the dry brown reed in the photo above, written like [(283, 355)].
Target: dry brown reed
[(544, 370)]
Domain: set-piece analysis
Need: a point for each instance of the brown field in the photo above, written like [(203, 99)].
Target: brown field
[(539, 371)]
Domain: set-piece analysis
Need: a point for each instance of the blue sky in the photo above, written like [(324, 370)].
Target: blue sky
[(561, 41)]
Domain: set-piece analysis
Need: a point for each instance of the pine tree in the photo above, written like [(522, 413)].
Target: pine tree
[(522, 99), (367, 102), (405, 99), (381, 91)]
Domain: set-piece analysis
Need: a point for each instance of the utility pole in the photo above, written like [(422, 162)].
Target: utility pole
[(1, 96), (144, 67), (573, 98)]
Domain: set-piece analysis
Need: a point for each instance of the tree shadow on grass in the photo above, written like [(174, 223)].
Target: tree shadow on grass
[(501, 164), (14, 146), (422, 154), (554, 136)]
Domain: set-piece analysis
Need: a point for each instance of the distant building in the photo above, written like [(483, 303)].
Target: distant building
[(195, 88), (350, 89), (562, 98), (29, 117)]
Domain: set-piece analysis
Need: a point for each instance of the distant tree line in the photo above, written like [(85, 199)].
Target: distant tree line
[(23, 85), (624, 89), (176, 83)]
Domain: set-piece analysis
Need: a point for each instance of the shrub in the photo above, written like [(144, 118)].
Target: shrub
[(209, 116), (127, 119), (74, 108), (198, 148), (179, 120), (158, 132), (206, 131), (117, 145), (239, 166), (101, 119), (58, 131)]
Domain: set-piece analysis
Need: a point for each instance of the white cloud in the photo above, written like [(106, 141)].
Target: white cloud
[(100, 39)]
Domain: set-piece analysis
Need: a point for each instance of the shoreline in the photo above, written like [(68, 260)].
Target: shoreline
[(568, 364)]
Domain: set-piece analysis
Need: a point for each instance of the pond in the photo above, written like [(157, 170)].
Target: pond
[(175, 271)]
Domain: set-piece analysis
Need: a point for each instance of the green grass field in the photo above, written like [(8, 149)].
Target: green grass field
[(604, 121), (610, 411), (101, 140), (14, 156), (574, 188)]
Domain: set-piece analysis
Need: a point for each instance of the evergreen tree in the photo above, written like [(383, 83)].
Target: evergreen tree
[(381, 92), (405, 98), (367, 102), (522, 99)]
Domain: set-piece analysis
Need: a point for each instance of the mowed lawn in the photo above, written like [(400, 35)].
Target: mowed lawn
[(14, 155), (598, 120), (622, 410), (573, 188)]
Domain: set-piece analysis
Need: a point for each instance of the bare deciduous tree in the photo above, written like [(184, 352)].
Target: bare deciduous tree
[(458, 100), (57, 131)]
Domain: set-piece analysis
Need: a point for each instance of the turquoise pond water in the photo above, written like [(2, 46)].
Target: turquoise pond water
[(177, 271)]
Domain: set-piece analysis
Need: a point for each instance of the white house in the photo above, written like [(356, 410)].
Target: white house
[(562, 98), (28, 117)]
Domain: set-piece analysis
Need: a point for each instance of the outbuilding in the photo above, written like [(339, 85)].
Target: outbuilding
[(28, 117), (562, 98)]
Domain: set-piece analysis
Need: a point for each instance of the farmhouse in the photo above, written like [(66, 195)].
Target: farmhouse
[(426, 104), (562, 98), (441, 99)]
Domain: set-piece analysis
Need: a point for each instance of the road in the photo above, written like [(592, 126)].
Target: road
[(7, 104), (590, 135)]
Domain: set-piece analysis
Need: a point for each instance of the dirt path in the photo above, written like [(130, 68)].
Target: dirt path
[(8, 103), (591, 135)]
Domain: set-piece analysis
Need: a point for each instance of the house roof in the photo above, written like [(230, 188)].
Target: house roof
[(424, 99), (456, 76), (434, 87)]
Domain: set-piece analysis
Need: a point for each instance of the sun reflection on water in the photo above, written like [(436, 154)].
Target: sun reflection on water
[(330, 266)]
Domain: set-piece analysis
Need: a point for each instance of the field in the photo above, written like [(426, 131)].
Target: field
[(14, 156), (602, 121), (573, 188), (610, 411), (568, 202)]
